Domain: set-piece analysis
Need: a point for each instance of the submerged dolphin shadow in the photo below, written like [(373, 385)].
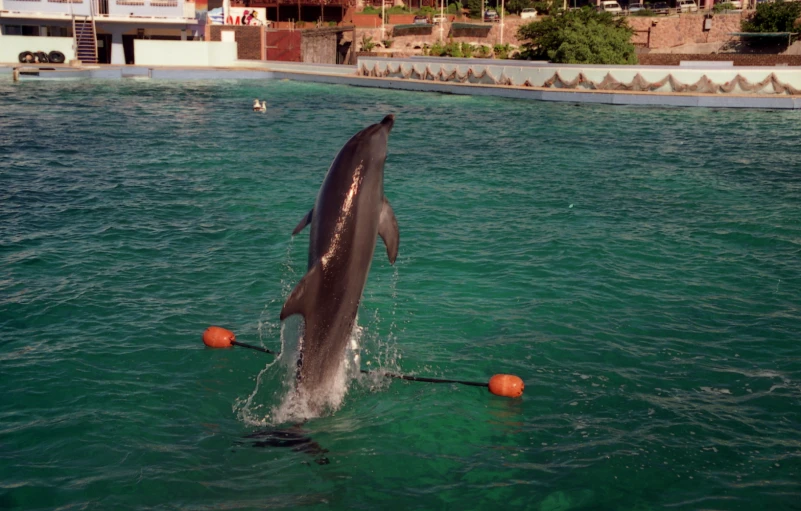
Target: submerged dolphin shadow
[(292, 437)]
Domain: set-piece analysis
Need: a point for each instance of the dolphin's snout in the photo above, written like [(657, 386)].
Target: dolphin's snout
[(388, 121)]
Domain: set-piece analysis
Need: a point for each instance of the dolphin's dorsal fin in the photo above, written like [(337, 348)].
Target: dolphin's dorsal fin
[(388, 230), (298, 298), (304, 222)]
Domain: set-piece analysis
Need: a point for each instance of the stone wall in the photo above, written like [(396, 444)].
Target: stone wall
[(659, 32), (319, 46), (673, 59), (248, 40), (409, 43), (669, 31)]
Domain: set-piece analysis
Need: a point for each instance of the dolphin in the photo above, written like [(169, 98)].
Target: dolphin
[(349, 214)]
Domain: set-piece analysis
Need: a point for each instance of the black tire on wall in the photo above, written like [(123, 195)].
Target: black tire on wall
[(41, 57), (26, 57), (56, 57)]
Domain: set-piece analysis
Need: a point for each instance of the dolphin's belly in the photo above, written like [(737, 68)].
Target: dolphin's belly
[(329, 328)]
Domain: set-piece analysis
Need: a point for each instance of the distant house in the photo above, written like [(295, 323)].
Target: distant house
[(93, 31)]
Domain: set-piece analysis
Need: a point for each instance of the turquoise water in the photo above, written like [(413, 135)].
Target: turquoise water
[(637, 267)]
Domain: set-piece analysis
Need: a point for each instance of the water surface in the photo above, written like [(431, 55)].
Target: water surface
[(637, 267)]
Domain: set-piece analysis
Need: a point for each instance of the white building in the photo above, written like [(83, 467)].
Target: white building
[(93, 30)]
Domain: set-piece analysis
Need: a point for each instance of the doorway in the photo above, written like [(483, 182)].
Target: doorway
[(128, 48), (104, 48)]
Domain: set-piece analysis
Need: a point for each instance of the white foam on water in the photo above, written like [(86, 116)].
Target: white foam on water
[(298, 405), (288, 403)]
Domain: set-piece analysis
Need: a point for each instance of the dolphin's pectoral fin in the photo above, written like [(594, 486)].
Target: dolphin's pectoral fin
[(296, 303), (303, 223), (388, 230)]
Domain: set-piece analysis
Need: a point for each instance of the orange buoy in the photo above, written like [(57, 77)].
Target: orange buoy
[(507, 385), (216, 337)]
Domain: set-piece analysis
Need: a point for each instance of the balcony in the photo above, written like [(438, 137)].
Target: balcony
[(109, 10), (150, 9)]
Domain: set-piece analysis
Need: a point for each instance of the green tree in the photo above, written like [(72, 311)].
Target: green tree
[(454, 8), (547, 6), (774, 17), (515, 6), (579, 37), (475, 8)]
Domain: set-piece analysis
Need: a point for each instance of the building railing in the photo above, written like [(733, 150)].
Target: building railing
[(52, 7)]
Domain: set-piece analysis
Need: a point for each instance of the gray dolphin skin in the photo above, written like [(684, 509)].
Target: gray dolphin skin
[(349, 214)]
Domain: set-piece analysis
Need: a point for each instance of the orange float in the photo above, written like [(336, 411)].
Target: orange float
[(506, 385), (217, 337)]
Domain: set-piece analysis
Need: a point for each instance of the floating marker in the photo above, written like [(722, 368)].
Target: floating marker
[(506, 385), (217, 337)]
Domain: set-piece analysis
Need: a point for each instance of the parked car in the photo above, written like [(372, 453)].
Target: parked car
[(421, 20), (660, 8), (636, 7), (436, 20), (610, 6), (491, 16), (528, 13), (686, 6)]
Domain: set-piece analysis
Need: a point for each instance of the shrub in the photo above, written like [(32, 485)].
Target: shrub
[(387, 43), (775, 17), (484, 52), (436, 50), (367, 43), (726, 6), (467, 50), (579, 37), (475, 8), (396, 9), (502, 51), (453, 49), (454, 8), (547, 6)]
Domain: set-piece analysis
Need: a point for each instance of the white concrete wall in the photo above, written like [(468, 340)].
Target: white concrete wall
[(12, 45), (537, 74), (184, 53)]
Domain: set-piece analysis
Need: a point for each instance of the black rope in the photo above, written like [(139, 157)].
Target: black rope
[(257, 348), (388, 375), (429, 380)]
